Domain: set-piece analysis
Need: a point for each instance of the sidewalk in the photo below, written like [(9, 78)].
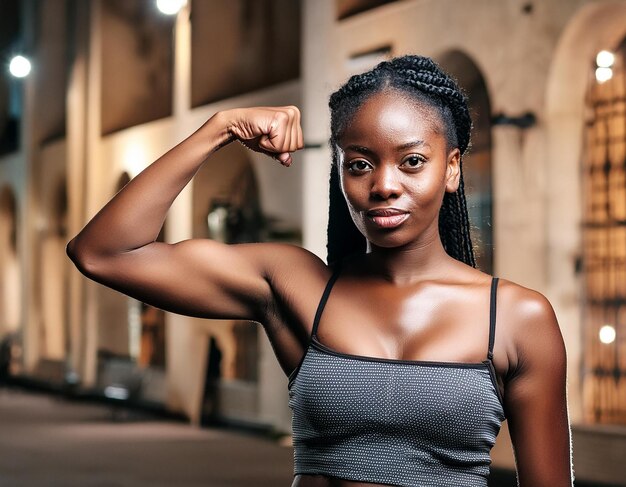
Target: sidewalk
[(50, 442)]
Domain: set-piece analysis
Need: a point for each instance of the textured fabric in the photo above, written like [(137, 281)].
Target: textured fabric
[(397, 422)]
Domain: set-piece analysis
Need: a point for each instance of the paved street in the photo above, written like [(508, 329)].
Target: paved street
[(50, 442)]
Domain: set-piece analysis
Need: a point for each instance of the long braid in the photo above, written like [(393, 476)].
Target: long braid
[(424, 80), (465, 224)]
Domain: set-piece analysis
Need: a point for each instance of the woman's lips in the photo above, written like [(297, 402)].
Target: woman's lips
[(387, 219)]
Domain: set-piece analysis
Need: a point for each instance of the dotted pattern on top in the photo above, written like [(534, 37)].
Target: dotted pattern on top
[(393, 423)]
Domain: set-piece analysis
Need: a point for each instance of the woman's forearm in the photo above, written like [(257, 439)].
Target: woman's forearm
[(134, 217)]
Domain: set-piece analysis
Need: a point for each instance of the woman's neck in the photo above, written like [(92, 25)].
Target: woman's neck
[(426, 260)]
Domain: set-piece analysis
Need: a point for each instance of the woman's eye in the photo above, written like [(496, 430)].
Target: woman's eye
[(358, 166), (413, 162)]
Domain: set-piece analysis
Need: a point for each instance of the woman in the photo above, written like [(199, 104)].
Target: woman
[(398, 374)]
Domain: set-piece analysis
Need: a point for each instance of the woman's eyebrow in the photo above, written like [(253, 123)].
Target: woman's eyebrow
[(407, 145), (413, 143), (359, 148)]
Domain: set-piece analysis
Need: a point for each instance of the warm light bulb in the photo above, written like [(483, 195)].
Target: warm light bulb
[(605, 59), (607, 334), (603, 74), (19, 67), (170, 7)]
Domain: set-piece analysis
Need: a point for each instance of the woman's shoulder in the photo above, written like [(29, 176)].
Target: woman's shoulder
[(518, 305), (524, 306), (531, 322)]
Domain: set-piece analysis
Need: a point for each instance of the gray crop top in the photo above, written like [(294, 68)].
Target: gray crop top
[(398, 422)]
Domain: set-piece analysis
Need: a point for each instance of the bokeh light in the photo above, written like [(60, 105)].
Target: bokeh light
[(607, 334), (170, 7), (19, 67), (603, 74), (605, 59)]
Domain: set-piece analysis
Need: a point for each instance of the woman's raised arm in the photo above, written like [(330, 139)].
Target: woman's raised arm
[(205, 278)]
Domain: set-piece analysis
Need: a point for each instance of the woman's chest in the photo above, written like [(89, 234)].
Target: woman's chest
[(429, 324), (339, 396)]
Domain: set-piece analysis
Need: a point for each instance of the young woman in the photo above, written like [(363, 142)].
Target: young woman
[(398, 374)]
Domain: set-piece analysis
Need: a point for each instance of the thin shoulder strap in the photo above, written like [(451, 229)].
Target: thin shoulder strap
[(320, 306), (492, 317)]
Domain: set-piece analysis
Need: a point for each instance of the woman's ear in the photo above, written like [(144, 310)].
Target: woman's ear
[(453, 170)]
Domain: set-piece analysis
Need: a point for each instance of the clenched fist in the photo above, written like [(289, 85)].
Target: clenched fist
[(274, 131)]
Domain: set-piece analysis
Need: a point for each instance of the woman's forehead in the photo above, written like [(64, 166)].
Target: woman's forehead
[(394, 116)]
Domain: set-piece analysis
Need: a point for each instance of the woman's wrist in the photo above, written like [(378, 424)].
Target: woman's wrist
[(217, 129)]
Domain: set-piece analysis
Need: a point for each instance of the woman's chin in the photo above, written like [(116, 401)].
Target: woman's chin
[(391, 242)]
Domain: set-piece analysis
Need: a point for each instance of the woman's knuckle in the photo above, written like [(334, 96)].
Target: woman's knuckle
[(282, 117)]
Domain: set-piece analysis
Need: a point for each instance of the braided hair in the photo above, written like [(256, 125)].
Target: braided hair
[(425, 82)]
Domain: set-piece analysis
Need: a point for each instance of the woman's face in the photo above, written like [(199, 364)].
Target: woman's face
[(395, 167)]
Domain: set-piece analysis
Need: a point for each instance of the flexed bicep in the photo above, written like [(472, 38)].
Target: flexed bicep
[(196, 277)]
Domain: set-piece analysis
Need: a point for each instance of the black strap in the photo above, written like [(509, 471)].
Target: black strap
[(492, 317), (320, 307)]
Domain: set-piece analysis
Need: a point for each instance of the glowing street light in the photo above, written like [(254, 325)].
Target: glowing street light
[(170, 7), (19, 67), (607, 334)]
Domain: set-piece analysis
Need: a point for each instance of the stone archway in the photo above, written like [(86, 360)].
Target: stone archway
[(595, 27)]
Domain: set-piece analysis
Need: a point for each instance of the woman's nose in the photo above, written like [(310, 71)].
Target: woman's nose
[(385, 183)]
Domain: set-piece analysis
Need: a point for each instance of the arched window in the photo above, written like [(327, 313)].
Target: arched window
[(604, 243)]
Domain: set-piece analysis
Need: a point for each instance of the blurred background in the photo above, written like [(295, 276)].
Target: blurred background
[(92, 91)]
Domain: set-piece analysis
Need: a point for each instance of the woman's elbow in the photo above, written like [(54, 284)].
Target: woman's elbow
[(83, 259)]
